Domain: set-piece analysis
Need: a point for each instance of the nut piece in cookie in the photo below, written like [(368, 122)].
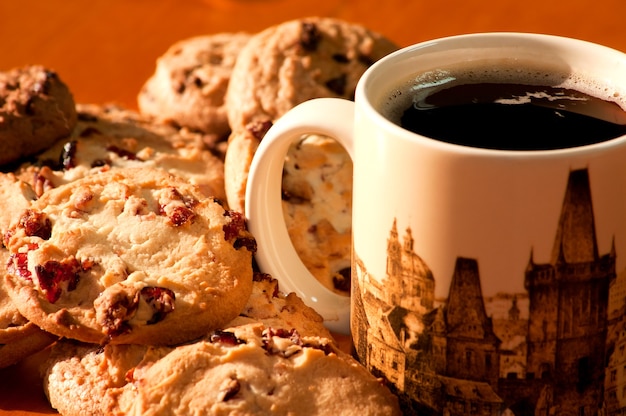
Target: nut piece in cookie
[(129, 256), (36, 109), (298, 60), (190, 82)]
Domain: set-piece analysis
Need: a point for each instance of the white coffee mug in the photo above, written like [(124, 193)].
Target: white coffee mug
[(482, 279)]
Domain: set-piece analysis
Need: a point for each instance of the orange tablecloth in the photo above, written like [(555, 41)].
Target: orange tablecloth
[(105, 49)]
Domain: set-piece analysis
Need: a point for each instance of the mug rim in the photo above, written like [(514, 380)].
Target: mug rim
[(364, 99)]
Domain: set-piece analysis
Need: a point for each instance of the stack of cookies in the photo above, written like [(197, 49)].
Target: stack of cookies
[(125, 243)]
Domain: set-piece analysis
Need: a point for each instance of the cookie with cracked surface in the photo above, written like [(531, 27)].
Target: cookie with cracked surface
[(106, 372), (109, 137), (85, 379), (249, 368), (36, 109), (255, 369), (129, 256), (298, 60), (190, 82)]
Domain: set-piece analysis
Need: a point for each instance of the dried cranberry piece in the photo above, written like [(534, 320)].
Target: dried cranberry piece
[(326, 348), (235, 230), (18, 265), (291, 334), (161, 300), (342, 280), (122, 152), (248, 243), (226, 337), (235, 226), (338, 84), (181, 214), (68, 155), (259, 128), (286, 350), (310, 36), (36, 224), (53, 275)]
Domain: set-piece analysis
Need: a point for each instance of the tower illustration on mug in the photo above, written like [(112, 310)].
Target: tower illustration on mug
[(559, 349)]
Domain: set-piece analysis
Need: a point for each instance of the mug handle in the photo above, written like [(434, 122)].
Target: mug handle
[(276, 255)]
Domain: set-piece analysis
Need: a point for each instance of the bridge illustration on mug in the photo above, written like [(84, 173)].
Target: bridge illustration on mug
[(558, 345)]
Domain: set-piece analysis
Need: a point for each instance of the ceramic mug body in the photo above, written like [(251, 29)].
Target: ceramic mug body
[(483, 281)]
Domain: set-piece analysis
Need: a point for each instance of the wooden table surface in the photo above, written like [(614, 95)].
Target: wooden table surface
[(105, 49)]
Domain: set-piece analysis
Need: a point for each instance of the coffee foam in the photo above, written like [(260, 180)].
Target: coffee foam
[(502, 71)]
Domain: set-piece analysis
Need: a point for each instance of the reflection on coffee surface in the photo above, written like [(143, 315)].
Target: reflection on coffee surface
[(514, 117)]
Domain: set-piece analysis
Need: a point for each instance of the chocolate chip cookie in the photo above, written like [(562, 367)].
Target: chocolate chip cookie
[(132, 255), (36, 109), (295, 61), (190, 81)]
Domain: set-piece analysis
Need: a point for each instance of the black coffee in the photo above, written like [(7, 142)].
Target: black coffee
[(513, 117)]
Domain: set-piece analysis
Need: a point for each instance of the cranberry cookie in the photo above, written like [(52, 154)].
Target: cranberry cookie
[(258, 370), (246, 369), (190, 81), (109, 137), (105, 372), (19, 338), (36, 109), (129, 256), (295, 61)]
